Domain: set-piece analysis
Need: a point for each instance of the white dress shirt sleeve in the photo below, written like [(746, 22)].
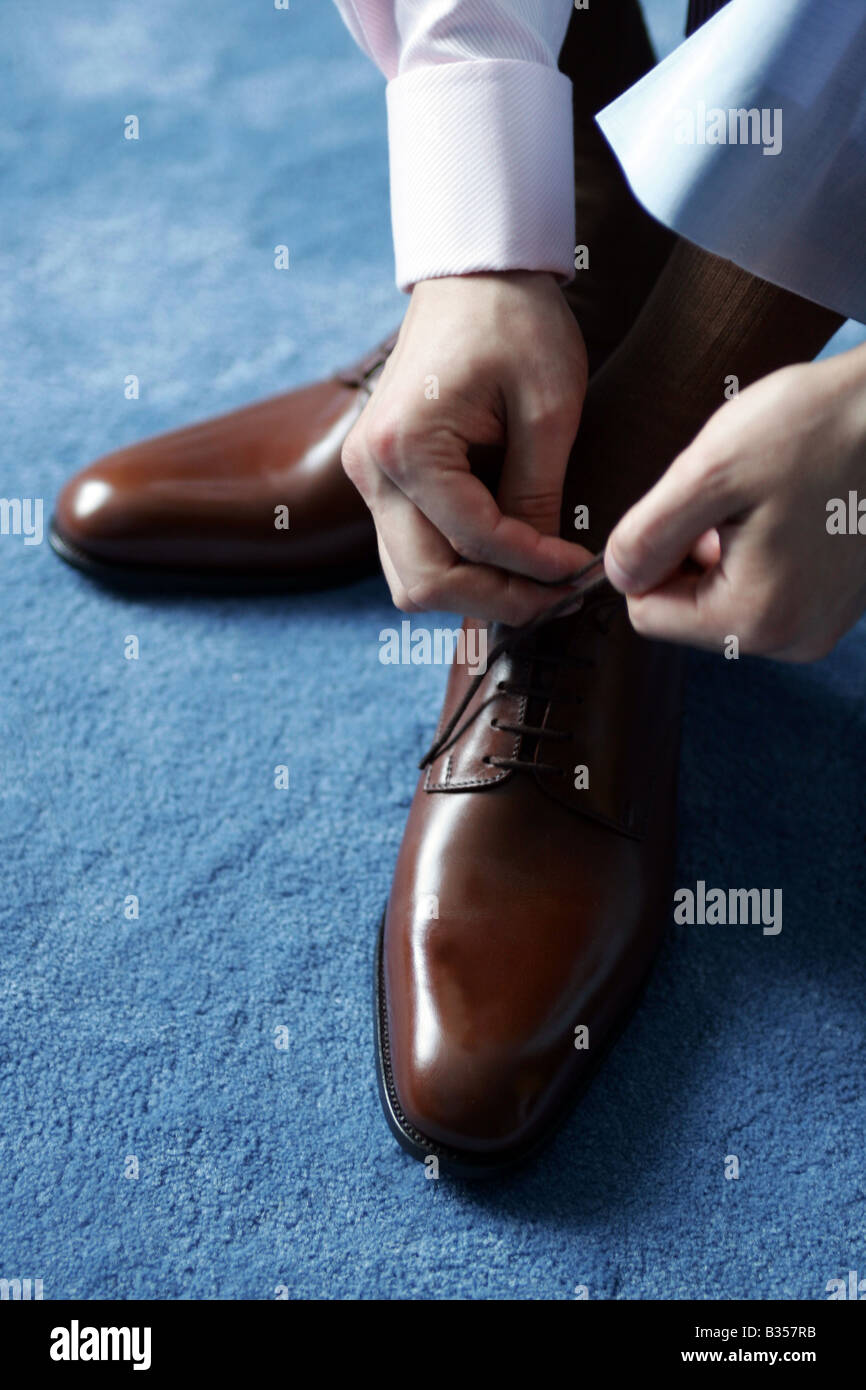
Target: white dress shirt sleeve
[(479, 132)]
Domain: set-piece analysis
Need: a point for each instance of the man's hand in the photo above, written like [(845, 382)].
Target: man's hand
[(481, 360), (733, 540)]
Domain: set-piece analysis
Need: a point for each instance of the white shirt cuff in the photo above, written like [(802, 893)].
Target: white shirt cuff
[(482, 169)]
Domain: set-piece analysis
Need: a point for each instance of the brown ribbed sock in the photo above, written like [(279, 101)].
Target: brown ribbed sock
[(705, 323), (606, 50)]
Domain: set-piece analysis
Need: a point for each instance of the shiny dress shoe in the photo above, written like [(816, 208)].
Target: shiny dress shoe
[(527, 906), (198, 507)]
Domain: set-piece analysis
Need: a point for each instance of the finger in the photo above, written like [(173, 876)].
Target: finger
[(536, 459), (655, 536), (479, 591), (707, 549), (399, 596), (690, 610), (465, 512), (427, 573)]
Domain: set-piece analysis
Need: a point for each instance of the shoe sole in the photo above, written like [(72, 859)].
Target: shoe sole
[(158, 580), (463, 1163)]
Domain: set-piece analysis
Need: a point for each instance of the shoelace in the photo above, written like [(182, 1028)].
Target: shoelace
[(585, 581)]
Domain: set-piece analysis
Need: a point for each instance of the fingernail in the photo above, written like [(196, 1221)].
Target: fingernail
[(616, 574)]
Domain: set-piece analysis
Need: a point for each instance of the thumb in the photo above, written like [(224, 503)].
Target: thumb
[(666, 526)]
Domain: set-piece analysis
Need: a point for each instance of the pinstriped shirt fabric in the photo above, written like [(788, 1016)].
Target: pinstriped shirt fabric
[(479, 132)]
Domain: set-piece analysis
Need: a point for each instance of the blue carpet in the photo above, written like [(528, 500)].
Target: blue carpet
[(153, 1039)]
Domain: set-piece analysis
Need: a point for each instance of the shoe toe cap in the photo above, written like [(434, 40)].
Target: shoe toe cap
[(96, 512), (480, 1103)]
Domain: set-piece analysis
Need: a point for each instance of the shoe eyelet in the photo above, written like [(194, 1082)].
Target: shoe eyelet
[(494, 724)]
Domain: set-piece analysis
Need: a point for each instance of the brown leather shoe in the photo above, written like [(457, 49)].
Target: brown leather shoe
[(525, 907), (198, 506)]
